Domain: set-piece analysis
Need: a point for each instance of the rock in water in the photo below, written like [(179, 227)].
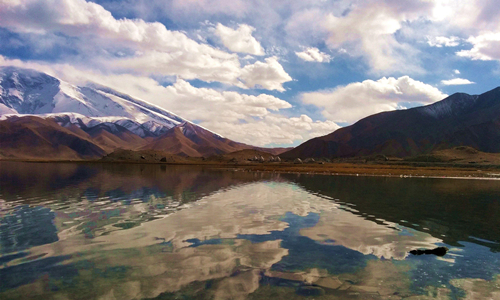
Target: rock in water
[(439, 251)]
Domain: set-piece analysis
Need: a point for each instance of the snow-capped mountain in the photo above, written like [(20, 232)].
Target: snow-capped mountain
[(25, 91), (43, 117)]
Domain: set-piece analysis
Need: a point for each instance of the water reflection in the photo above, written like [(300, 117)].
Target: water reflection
[(141, 232), (25, 227), (450, 209)]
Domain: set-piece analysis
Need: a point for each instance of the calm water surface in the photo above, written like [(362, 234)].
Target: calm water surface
[(91, 231)]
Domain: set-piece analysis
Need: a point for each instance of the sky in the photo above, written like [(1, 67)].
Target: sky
[(262, 72)]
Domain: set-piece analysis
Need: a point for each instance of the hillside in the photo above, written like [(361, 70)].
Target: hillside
[(32, 137), (458, 120), (458, 155)]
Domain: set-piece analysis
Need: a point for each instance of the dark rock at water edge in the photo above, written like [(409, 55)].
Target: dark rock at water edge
[(439, 251)]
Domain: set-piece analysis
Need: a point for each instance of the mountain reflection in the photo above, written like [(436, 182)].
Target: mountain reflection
[(42, 181), (162, 260), (450, 209), (146, 231)]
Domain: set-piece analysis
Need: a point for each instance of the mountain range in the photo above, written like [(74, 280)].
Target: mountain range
[(458, 120), (44, 117)]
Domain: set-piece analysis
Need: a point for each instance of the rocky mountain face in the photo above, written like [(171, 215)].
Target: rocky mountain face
[(39, 111), (458, 120)]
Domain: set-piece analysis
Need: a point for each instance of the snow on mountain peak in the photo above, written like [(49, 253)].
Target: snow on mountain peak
[(29, 92), (453, 105)]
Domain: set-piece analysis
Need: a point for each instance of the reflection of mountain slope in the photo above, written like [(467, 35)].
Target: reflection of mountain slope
[(443, 206), (114, 181)]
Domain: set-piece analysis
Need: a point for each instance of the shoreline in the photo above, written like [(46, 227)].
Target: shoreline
[(400, 170)]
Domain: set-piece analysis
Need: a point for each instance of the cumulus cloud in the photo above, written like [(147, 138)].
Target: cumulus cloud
[(456, 71), (457, 81), (469, 15), (360, 99), (368, 30), (313, 54), (152, 47), (269, 75), (477, 19), (442, 41), (254, 120), (239, 40), (207, 104), (374, 30), (485, 47), (274, 129)]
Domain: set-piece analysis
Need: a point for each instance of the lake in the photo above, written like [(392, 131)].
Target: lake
[(119, 231)]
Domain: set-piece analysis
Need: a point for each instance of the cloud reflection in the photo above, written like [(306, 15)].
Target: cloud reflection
[(158, 251)]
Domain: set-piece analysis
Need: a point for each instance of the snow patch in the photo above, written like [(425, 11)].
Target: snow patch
[(450, 106)]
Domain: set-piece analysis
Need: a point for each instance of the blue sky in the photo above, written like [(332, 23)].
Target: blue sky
[(262, 72)]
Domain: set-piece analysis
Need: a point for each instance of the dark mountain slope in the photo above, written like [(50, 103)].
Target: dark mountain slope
[(459, 120), (35, 138), (191, 140)]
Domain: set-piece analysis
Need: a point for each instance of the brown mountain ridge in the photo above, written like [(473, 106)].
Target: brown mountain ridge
[(458, 120), (30, 137)]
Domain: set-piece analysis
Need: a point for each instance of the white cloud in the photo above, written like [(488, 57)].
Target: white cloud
[(269, 75), (360, 99), (368, 30), (442, 41), (254, 120), (313, 54), (208, 104), (456, 72), (154, 49), (274, 129), (485, 47), (477, 19), (378, 31), (239, 40), (468, 15), (183, 64), (457, 81)]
